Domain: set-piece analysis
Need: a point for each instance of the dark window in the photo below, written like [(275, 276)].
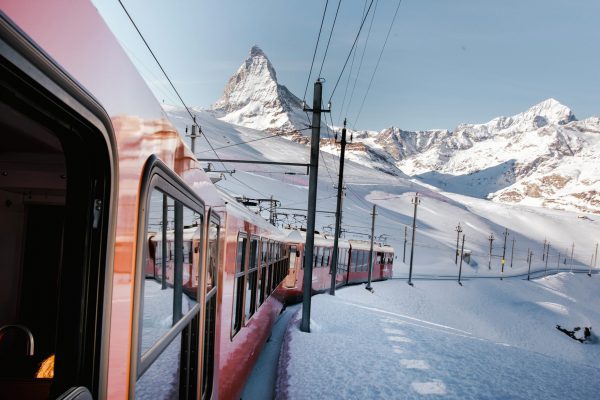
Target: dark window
[(238, 289), (252, 279), (262, 284)]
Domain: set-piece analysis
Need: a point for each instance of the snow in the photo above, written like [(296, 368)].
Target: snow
[(486, 339)]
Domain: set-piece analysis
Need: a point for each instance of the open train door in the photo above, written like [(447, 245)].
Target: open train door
[(55, 195)]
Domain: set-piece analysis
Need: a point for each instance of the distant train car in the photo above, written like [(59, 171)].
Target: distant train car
[(352, 266)]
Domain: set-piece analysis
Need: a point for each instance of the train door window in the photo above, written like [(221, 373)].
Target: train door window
[(169, 313), (238, 289), (54, 190), (271, 268), (262, 284), (251, 281), (210, 313)]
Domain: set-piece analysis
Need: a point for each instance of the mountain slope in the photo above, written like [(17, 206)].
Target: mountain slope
[(253, 98)]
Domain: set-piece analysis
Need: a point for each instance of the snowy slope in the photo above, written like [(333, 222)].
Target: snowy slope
[(486, 339), (438, 213), (253, 98)]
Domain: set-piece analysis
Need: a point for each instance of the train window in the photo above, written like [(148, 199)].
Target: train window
[(262, 283), (210, 313), (326, 254), (354, 260), (157, 316), (238, 289), (169, 311), (252, 279), (55, 171), (271, 267)]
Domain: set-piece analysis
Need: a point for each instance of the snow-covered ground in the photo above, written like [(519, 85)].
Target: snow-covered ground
[(487, 339)]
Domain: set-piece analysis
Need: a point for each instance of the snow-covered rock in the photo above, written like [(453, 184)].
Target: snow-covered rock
[(253, 98)]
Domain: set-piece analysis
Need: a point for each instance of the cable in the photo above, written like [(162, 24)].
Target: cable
[(315, 52), (329, 40), (156, 59), (350, 53), (253, 140), (362, 57), (377, 65)]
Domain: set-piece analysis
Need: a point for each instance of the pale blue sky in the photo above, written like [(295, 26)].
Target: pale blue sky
[(446, 62)]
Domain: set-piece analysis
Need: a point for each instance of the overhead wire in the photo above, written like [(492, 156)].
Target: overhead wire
[(329, 40), (178, 95), (252, 140), (377, 64), (350, 53), (315, 52), (362, 57)]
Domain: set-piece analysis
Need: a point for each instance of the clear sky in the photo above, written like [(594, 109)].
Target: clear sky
[(446, 61)]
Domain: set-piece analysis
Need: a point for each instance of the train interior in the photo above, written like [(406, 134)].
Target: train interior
[(44, 202)]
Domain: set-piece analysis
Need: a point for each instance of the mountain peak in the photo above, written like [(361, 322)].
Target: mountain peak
[(552, 111), (256, 51), (253, 97)]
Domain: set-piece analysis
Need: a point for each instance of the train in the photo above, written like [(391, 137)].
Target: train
[(126, 272)]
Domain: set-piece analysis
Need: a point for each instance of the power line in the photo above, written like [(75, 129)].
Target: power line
[(252, 140), (329, 40), (350, 53), (155, 59), (315, 52), (377, 65), (362, 57)]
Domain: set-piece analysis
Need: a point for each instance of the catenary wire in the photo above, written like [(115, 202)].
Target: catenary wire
[(350, 52), (315, 52), (329, 40), (377, 64)]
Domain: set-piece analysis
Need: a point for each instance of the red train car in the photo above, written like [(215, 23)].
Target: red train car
[(352, 268), (125, 273)]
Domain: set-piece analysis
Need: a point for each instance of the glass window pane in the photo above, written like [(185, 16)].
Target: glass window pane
[(157, 304), (212, 256), (161, 380), (192, 229), (241, 255)]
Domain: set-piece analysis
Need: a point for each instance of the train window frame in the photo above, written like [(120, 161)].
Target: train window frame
[(236, 276), (208, 360), (253, 308), (158, 176)]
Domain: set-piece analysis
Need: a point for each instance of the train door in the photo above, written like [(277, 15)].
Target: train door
[(291, 278), (55, 194), (165, 354)]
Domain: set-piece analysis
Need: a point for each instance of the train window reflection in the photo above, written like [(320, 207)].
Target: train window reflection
[(161, 380), (157, 316)]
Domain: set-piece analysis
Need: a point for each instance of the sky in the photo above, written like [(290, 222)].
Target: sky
[(445, 62)]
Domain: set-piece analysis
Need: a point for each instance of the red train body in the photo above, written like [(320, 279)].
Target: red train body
[(126, 273)]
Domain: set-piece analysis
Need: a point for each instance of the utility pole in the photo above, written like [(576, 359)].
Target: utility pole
[(272, 211), (591, 262), (338, 213), (596, 257), (462, 250), (458, 231), (312, 203), (416, 201), (194, 135), (504, 252), (491, 239), (512, 252), (529, 257), (371, 251), (547, 251), (572, 251), (544, 251), (405, 240), (558, 263)]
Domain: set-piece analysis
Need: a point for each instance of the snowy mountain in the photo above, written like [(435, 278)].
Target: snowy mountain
[(253, 98), (543, 156)]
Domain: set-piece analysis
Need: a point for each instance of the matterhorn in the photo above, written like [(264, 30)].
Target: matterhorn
[(253, 98)]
